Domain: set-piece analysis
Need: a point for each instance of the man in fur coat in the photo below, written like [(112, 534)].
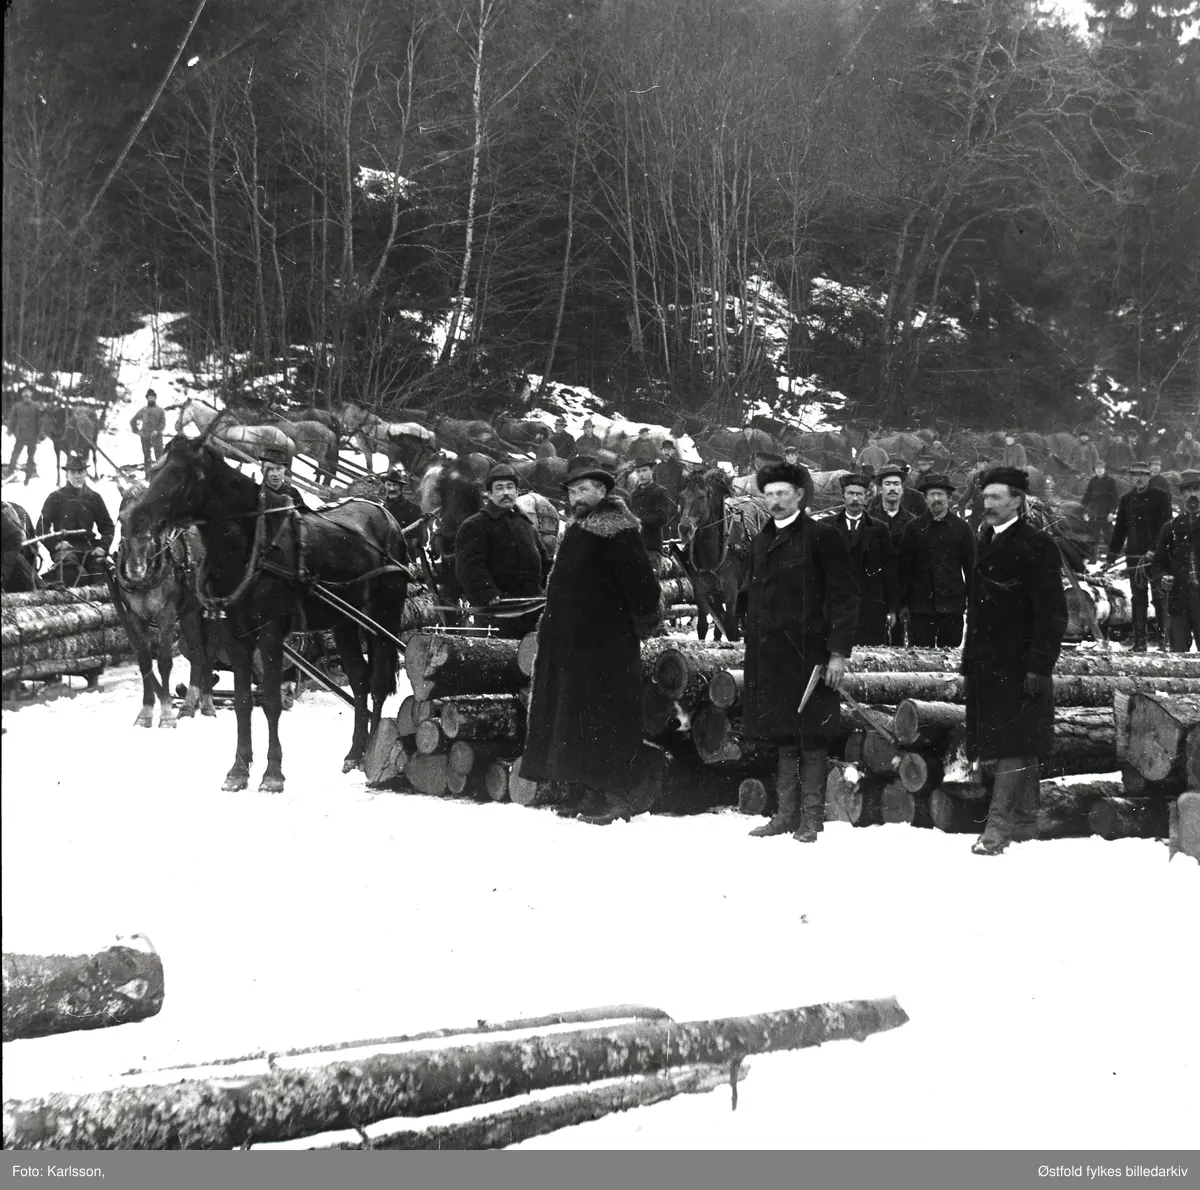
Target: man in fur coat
[(585, 714), (1016, 620)]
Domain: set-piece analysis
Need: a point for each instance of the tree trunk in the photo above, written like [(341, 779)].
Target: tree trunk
[(864, 801), (427, 774), (958, 815), (897, 805), (733, 752), (483, 717), (1184, 825), (873, 688), (495, 780), (424, 709), (429, 738), (499, 1130), (525, 792), (386, 755), (920, 774), (1129, 818), (1063, 808), (46, 994), (855, 743), (725, 688), (468, 756), (52, 596), (680, 666), (300, 1098), (451, 665), (841, 776), (676, 590), (1158, 734), (926, 724), (880, 757), (1084, 742)]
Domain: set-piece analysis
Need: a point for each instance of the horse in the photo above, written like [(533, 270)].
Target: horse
[(18, 561), (448, 493), (153, 585), (72, 430), (308, 437), (407, 442), (245, 440), (716, 527), (545, 518), (343, 568)]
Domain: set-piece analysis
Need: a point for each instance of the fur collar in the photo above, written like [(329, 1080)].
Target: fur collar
[(610, 517)]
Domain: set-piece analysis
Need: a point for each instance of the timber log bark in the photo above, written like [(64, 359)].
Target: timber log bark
[(301, 1098), (1062, 811), (429, 737), (1070, 690), (880, 757), (47, 994), (1133, 784), (864, 801), (386, 755), (448, 665), (753, 797), (1156, 739), (483, 717), (920, 724), (958, 815), (899, 806), (1084, 742), (688, 664), (525, 792), (841, 774), (51, 595), (921, 774), (495, 780), (468, 756), (406, 724), (1130, 818)]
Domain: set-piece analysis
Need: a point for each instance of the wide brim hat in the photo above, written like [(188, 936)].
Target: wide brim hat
[(396, 475), (587, 467), (1013, 477), (1189, 479), (891, 471), (936, 481), (498, 472), (75, 462), (274, 454)]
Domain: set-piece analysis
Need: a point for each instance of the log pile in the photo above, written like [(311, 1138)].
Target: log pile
[(71, 631)]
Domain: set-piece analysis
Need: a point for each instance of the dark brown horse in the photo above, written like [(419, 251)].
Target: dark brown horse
[(265, 566), (716, 527), (448, 493), (18, 561)]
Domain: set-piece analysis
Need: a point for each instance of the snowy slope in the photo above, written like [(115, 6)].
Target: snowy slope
[(1059, 973)]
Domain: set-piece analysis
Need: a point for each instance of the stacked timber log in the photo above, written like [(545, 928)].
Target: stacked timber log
[(68, 631)]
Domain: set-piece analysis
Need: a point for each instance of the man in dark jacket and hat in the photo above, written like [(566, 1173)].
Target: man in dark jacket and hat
[(801, 611), (77, 526), (910, 499), (148, 423), (585, 712), (1176, 566), (649, 502), (404, 509), (937, 556), (1141, 515), (873, 561), (278, 488), (888, 509), (1100, 499), (562, 439), (499, 556), (1016, 619)]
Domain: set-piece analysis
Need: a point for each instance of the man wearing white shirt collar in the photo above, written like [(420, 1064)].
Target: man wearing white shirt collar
[(873, 558)]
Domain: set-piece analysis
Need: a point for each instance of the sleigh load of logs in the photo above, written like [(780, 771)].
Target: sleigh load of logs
[(69, 631), (1127, 735)]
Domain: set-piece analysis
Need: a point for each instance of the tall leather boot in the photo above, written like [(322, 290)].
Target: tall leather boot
[(813, 775), (786, 783), (1009, 815)]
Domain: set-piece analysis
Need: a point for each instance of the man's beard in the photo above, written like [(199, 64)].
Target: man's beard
[(580, 509)]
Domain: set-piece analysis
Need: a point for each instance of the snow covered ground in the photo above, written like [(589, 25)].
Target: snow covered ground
[(1054, 987)]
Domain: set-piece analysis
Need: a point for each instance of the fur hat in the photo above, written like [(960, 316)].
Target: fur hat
[(852, 480), (891, 471), (75, 462), (498, 472), (1014, 477), (1190, 479), (586, 467), (274, 454), (936, 481), (780, 472)]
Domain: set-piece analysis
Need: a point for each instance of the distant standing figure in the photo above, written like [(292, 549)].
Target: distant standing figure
[(1176, 567), (872, 456), (148, 423), (562, 439), (1187, 452), (872, 561), (1086, 456), (24, 424), (1141, 515), (1100, 499), (643, 449), (1014, 453), (649, 502), (1016, 620), (1158, 481), (545, 448), (588, 442)]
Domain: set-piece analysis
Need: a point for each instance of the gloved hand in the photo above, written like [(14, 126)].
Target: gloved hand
[(1036, 684)]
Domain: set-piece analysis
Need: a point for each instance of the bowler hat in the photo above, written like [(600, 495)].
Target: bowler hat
[(274, 454), (1190, 479), (395, 475), (891, 471), (936, 481), (587, 467), (1013, 477), (501, 471), (75, 462)]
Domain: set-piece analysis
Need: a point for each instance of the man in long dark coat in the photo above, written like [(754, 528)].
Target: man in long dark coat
[(937, 556), (801, 610), (1176, 566), (1016, 619), (1100, 499), (873, 561), (498, 555), (888, 509), (585, 714), (1141, 515)]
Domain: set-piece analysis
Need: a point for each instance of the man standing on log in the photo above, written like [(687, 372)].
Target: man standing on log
[(498, 555), (873, 562), (801, 611), (585, 713), (937, 556), (1176, 564), (1141, 515), (1016, 619)]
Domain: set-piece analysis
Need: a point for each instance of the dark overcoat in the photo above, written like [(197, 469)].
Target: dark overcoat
[(585, 713), (1016, 619), (1177, 553), (873, 561), (498, 553), (654, 508), (76, 509), (802, 605), (936, 561), (1140, 519), (895, 525)]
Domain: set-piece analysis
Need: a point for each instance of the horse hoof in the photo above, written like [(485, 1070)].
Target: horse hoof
[(350, 764), (209, 712), (271, 785), (144, 719), (234, 784), (186, 712), (169, 721)]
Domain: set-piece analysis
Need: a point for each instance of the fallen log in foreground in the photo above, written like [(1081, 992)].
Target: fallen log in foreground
[(47, 994), (1159, 734), (442, 666), (298, 1098)]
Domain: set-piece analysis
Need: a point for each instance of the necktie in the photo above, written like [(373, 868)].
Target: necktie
[(985, 538)]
